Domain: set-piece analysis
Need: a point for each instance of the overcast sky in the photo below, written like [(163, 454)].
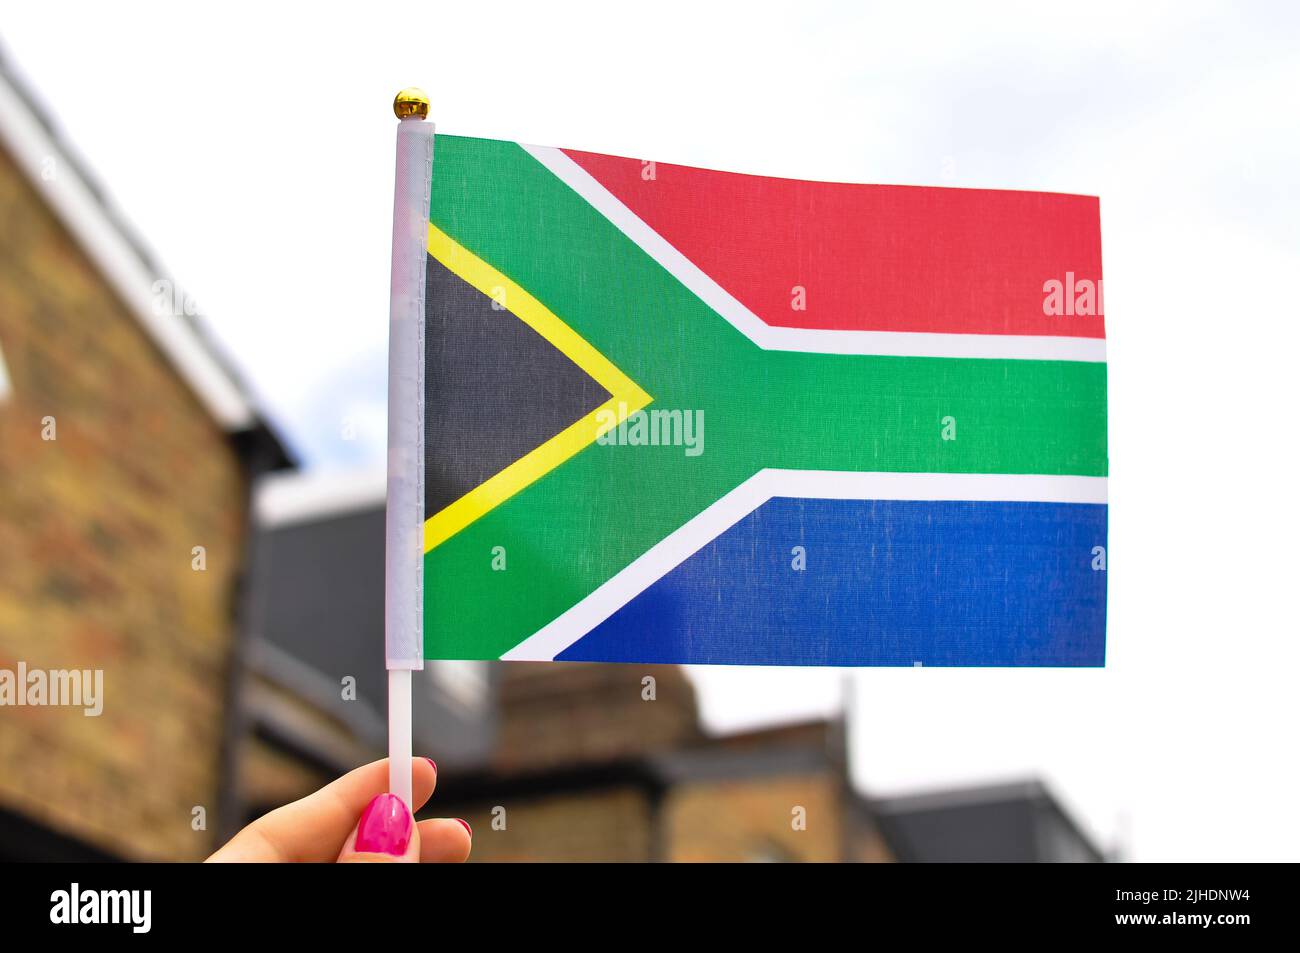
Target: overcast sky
[(253, 149)]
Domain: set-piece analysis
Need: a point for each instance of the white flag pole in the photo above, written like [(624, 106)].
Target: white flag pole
[(404, 544)]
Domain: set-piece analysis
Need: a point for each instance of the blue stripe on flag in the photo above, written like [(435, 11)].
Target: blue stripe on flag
[(887, 582)]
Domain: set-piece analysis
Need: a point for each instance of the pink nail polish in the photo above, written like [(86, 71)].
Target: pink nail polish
[(465, 824), (385, 826), (434, 763)]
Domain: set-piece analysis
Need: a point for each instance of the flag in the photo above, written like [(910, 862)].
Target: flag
[(685, 416)]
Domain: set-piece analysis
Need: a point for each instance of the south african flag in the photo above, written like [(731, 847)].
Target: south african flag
[(678, 415)]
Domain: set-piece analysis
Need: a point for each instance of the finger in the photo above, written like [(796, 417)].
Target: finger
[(444, 841), (314, 829), (385, 834)]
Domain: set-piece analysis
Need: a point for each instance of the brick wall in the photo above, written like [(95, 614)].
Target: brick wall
[(751, 820), (564, 713), (733, 820), (610, 825), (96, 532)]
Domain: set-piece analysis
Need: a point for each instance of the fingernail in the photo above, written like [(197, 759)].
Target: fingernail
[(465, 824), (434, 763), (385, 826)]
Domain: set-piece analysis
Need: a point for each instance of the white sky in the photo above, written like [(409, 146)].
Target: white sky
[(253, 147)]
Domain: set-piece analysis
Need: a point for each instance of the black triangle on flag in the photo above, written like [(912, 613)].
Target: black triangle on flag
[(494, 389)]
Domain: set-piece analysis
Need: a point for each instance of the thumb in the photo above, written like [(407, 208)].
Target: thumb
[(386, 834)]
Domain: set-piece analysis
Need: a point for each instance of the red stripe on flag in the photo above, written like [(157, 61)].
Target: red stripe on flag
[(875, 257)]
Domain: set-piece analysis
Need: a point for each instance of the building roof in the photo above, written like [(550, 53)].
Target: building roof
[(285, 499), (1018, 822), (317, 616), (58, 174)]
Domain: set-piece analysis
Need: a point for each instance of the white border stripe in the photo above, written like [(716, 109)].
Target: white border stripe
[(677, 547), (770, 338)]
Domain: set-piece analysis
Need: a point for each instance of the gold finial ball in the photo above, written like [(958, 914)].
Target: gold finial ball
[(411, 103)]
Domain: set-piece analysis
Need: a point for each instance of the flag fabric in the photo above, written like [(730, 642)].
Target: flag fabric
[(685, 416)]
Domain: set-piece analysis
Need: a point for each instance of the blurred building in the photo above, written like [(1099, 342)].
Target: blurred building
[(567, 761), (1011, 823), (547, 761), (314, 703), (588, 769), (236, 616), (127, 452)]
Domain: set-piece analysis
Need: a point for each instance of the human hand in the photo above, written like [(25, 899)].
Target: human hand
[(324, 827)]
